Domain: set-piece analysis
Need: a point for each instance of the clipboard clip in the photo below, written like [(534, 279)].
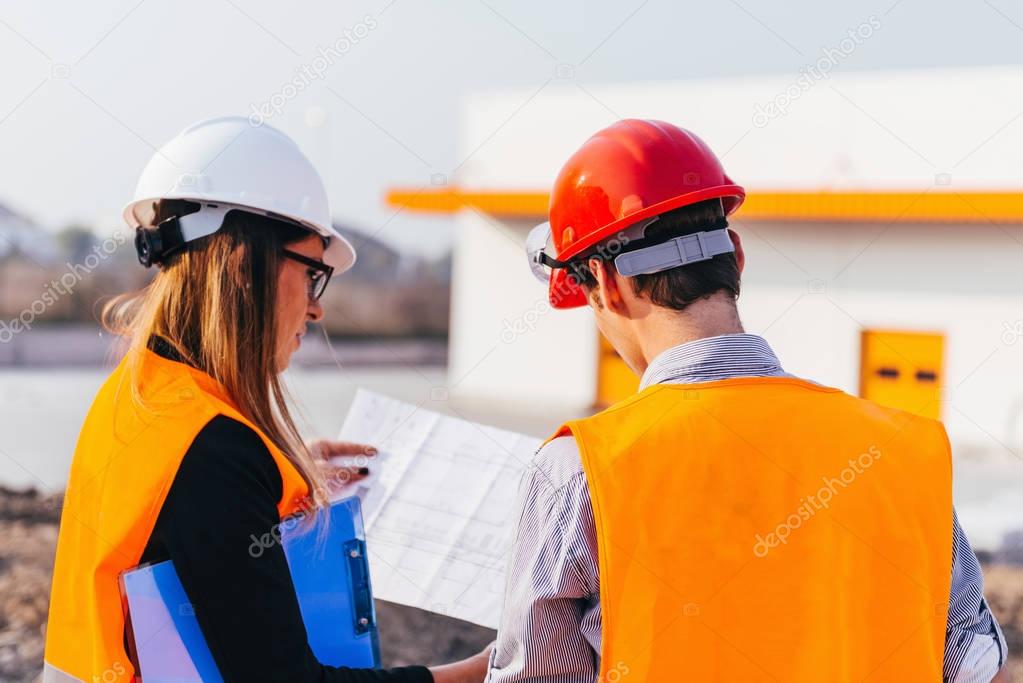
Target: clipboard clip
[(362, 595)]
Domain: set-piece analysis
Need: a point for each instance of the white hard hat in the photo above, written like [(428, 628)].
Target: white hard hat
[(228, 163)]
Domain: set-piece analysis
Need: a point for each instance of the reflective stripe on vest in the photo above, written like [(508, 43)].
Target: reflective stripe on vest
[(126, 458), (52, 674), (768, 529)]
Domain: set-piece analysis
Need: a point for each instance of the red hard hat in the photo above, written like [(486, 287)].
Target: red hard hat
[(630, 171)]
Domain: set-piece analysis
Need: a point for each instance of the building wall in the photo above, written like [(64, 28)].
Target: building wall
[(507, 343), (862, 130), (810, 289)]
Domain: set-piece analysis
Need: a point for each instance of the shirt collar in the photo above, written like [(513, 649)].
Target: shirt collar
[(713, 358)]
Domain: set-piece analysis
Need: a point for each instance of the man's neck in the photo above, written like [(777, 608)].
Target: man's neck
[(664, 328)]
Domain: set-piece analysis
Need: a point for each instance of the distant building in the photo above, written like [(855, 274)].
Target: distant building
[(380, 262), (883, 231), (388, 293), (20, 237), (377, 261)]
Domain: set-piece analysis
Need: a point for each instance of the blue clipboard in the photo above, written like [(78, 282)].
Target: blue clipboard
[(331, 576)]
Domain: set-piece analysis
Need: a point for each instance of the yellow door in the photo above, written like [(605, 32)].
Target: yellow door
[(902, 370), (615, 380)]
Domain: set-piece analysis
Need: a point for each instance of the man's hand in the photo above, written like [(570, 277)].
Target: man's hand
[(354, 464), (471, 670)]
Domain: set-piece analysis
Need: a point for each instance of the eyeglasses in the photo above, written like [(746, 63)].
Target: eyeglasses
[(319, 273)]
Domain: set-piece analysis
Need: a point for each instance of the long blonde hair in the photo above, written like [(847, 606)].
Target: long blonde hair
[(214, 303)]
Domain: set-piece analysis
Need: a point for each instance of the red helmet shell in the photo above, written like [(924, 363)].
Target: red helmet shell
[(632, 170)]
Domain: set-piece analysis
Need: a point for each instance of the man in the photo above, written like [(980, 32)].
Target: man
[(730, 522)]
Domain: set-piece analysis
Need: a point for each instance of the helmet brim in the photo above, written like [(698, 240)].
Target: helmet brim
[(339, 254)]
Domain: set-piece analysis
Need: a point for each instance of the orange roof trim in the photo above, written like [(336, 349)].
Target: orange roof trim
[(449, 200), (878, 206)]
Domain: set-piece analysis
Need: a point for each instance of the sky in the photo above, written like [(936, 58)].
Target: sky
[(91, 90)]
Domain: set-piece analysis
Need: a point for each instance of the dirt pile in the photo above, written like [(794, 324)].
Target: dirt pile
[(28, 536)]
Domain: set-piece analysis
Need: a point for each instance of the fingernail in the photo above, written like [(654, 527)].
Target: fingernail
[(363, 470), (370, 450)]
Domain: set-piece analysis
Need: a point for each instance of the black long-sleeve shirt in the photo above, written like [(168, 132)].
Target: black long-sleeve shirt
[(225, 494)]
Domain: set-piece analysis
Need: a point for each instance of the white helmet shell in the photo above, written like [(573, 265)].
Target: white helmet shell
[(228, 162)]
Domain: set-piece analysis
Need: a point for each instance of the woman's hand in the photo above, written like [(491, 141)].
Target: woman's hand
[(471, 670), (355, 464)]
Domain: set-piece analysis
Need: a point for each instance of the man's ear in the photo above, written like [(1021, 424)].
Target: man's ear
[(607, 288), (740, 255)]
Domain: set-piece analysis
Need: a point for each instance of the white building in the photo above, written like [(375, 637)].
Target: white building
[(883, 230)]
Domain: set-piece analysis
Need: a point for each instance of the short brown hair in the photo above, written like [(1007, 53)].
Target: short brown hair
[(678, 288)]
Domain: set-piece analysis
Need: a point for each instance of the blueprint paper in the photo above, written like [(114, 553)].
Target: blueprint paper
[(439, 506)]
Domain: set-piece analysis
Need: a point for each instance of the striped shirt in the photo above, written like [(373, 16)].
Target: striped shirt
[(550, 627)]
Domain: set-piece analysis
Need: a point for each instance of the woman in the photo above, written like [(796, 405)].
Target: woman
[(189, 451)]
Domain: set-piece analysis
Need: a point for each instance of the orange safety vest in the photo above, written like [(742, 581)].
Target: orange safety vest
[(126, 458), (768, 529)]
